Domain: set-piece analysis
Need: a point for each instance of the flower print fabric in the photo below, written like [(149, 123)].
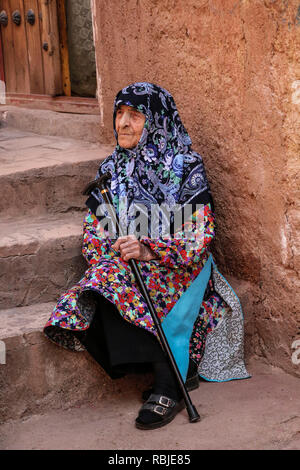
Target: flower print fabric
[(166, 279)]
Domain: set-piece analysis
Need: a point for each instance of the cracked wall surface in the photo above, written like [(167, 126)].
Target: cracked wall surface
[(233, 69)]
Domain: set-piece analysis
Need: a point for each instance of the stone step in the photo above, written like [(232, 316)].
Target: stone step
[(51, 398), (40, 174), (85, 127), (38, 375), (39, 257), (261, 413)]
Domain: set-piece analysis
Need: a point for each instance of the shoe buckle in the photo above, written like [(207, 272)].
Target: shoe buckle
[(160, 410), (165, 401)]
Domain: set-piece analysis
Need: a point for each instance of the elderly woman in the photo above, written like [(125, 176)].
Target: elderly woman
[(153, 166)]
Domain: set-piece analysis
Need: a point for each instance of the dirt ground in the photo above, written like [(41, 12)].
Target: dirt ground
[(260, 413)]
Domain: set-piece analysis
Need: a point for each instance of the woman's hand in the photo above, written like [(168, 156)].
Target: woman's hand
[(130, 247)]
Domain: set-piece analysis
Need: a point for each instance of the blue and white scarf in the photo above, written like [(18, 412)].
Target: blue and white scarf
[(162, 168)]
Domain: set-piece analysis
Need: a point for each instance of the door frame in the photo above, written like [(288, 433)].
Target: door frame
[(61, 103)]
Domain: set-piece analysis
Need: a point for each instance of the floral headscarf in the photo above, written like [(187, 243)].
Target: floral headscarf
[(162, 168)]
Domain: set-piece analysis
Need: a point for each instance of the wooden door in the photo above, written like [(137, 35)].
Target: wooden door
[(30, 43)]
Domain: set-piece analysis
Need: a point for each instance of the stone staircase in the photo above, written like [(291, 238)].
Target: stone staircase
[(41, 210), (47, 122)]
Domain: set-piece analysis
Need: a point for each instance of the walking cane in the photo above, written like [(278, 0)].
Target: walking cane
[(100, 183)]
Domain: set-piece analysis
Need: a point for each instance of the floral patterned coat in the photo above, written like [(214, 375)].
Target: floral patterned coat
[(166, 278)]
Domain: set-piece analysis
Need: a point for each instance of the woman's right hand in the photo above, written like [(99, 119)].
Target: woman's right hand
[(131, 248)]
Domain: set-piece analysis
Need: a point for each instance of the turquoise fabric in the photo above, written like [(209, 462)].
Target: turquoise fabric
[(178, 325)]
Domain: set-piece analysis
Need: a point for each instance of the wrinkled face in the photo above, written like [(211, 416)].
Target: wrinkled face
[(129, 124)]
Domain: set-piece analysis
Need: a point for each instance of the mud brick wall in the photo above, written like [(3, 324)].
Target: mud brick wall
[(233, 69)]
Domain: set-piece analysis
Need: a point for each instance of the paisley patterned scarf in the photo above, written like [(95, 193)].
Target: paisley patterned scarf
[(162, 168)]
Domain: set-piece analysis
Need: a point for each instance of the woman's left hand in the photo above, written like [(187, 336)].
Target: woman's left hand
[(130, 247)]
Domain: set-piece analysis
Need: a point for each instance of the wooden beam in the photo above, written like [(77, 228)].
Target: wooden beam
[(35, 57), (50, 44), (64, 50), (20, 49), (2, 76), (8, 50)]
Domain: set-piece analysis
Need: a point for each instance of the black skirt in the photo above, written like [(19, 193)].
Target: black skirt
[(118, 346)]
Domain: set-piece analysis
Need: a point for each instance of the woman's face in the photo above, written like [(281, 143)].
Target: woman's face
[(129, 125)]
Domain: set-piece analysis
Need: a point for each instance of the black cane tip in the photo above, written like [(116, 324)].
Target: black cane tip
[(194, 415)]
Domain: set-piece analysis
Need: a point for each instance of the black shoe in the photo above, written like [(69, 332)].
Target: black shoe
[(158, 411)]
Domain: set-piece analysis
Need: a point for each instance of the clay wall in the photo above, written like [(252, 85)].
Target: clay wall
[(233, 68)]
